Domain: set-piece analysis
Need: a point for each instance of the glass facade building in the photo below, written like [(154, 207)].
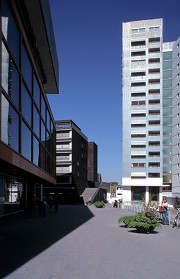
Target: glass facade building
[(27, 128)]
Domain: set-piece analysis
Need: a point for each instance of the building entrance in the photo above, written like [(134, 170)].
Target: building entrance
[(11, 194)]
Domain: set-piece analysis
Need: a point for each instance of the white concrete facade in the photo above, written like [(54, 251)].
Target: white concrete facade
[(176, 120), (142, 147)]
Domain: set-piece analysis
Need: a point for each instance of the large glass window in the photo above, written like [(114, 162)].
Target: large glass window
[(12, 194), (37, 93), (48, 124), (26, 105), (9, 125), (36, 122), (43, 133), (10, 30), (154, 193), (26, 68), (43, 108), (167, 65), (167, 93), (43, 158), (10, 77), (48, 141), (167, 55), (25, 141), (36, 151), (167, 83), (167, 74), (138, 193)]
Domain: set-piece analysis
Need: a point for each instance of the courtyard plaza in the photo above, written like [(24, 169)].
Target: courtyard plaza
[(84, 242)]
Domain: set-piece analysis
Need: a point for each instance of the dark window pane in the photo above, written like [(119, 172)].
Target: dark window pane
[(138, 193), (43, 108), (36, 93), (26, 68), (48, 124), (10, 30), (25, 141), (36, 152), (48, 141), (9, 125), (26, 105), (36, 122), (43, 133), (48, 165), (53, 167), (43, 158)]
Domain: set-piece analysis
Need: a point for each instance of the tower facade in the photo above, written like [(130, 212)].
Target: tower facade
[(142, 99), (176, 119)]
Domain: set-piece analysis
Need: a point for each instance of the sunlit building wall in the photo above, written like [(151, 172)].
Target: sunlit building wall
[(142, 144), (176, 120)]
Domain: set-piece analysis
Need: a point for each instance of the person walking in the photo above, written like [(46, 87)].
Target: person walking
[(165, 215)]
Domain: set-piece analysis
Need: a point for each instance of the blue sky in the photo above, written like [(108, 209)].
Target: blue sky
[(88, 36)]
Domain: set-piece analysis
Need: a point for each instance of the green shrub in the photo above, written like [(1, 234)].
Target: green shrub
[(143, 222), (99, 204), (125, 219)]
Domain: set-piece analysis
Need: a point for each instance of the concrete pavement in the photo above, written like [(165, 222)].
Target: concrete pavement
[(84, 242)]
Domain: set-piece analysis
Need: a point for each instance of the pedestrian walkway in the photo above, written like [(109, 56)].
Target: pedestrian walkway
[(84, 242)]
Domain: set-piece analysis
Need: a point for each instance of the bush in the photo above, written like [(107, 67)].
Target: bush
[(99, 204), (126, 220), (142, 222)]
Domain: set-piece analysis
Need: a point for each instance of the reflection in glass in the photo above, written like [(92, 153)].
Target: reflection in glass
[(167, 74), (43, 109), (26, 105), (36, 122), (36, 152), (167, 83), (9, 125), (167, 65), (37, 93), (138, 193), (48, 142), (43, 133), (10, 77), (48, 122), (10, 30), (25, 141), (167, 55), (26, 68)]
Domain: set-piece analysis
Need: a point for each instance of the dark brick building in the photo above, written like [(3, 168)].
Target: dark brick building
[(92, 164), (71, 160)]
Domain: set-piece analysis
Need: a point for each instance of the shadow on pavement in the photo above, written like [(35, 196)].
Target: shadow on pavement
[(25, 235)]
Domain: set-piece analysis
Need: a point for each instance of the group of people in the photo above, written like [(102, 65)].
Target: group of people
[(45, 202), (117, 203), (163, 211)]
